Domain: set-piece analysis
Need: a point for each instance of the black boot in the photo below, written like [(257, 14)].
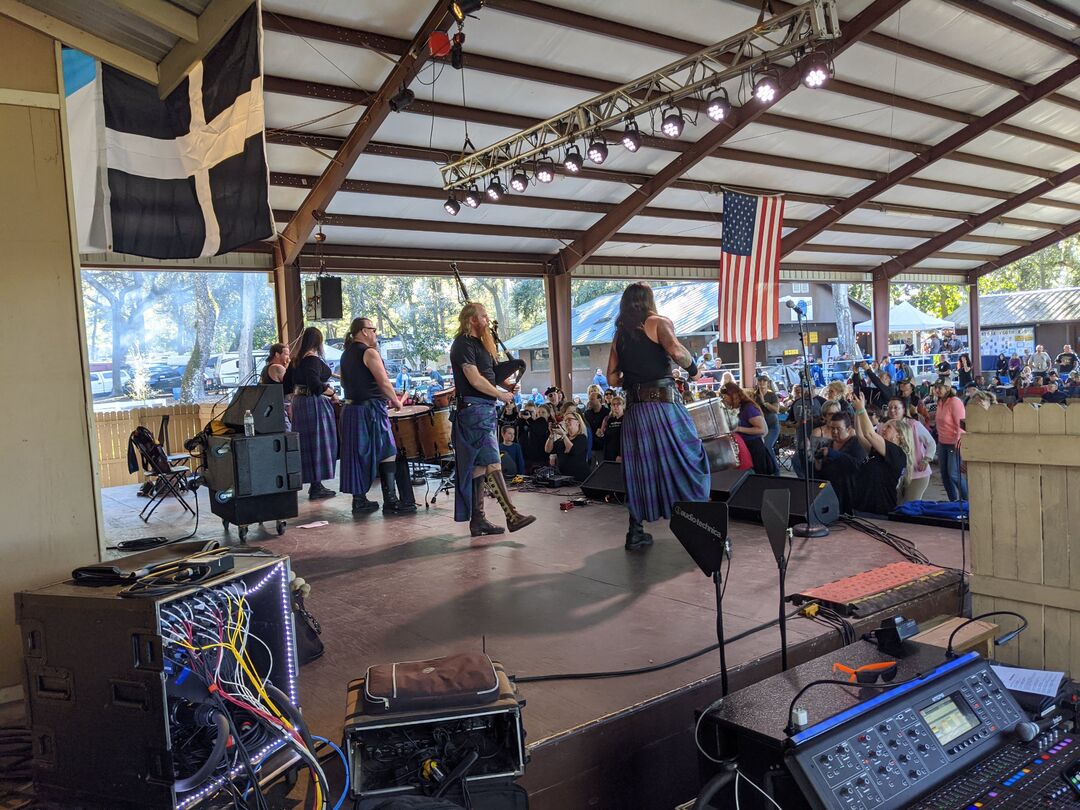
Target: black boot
[(637, 537), (362, 506), (317, 491), (389, 488), (514, 519), (406, 497), (478, 524)]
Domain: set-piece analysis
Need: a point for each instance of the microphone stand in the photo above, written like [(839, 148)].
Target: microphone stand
[(809, 528)]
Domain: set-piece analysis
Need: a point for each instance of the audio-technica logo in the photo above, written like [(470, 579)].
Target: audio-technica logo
[(701, 524)]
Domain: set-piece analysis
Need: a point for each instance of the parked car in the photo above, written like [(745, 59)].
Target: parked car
[(101, 382), (164, 378)]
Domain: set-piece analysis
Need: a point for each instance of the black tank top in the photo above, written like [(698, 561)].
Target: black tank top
[(641, 359), (265, 378), (356, 378)]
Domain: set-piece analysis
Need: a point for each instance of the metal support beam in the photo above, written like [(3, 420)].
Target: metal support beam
[(560, 338), (974, 329), (879, 313), (747, 363), (300, 227), (1057, 10), (1014, 23), (1003, 112), (917, 254), (599, 233), (1062, 232), (163, 14)]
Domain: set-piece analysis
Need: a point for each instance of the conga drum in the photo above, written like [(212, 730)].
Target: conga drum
[(441, 399), (406, 426), (435, 433)]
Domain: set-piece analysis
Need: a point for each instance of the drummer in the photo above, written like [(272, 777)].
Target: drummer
[(367, 442)]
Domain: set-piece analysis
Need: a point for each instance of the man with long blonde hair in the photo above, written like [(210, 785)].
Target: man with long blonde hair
[(476, 445)]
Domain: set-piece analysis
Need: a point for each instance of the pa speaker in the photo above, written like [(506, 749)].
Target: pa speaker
[(247, 466), (724, 484), (267, 406), (323, 297), (746, 503), (606, 483)]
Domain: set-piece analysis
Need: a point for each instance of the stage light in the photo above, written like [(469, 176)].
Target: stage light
[(545, 171), (718, 107), (597, 151), (817, 73), (495, 189), (463, 8), (573, 160), (402, 100), (631, 138), (673, 124), (519, 181), (451, 206), (473, 197), (766, 89)]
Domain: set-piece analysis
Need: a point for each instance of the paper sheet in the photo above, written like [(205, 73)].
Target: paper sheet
[(317, 524), (1034, 681)]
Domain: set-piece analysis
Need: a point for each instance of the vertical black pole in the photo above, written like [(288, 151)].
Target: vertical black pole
[(720, 631)]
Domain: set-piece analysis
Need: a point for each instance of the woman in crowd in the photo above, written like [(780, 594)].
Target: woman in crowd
[(984, 399), (769, 405), (1002, 368), (567, 443), (751, 426), (534, 434), (923, 448), (889, 464), (611, 430), (313, 414), (949, 415), (963, 370), (595, 413)]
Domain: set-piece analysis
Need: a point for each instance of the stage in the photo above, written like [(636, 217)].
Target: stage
[(560, 596)]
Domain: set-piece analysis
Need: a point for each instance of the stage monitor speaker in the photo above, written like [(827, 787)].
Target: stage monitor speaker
[(725, 483), (247, 466), (267, 406), (746, 503), (323, 299), (606, 483)]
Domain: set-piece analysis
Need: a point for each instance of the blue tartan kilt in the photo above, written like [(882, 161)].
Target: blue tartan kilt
[(366, 439), (663, 459), (313, 418), (475, 445)]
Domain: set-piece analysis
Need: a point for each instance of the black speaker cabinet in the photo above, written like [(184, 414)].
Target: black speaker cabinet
[(746, 503), (254, 465), (606, 483), (267, 406), (724, 484), (323, 297)]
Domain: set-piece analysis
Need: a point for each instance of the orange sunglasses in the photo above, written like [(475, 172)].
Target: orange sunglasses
[(868, 673)]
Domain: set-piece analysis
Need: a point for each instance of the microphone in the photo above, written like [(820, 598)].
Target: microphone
[(791, 304), (1026, 731)]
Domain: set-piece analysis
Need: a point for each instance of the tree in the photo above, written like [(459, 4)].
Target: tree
[(845, 330), (207, 309), (1054, 266), (247, 324)]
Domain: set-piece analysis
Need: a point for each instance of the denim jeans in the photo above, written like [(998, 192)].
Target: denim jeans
[(770, 445), (949, 464)]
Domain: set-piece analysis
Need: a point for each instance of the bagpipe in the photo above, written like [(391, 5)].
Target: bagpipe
[(512, 368)]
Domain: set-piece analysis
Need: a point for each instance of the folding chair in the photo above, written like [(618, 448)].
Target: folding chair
[(167, 481), (163, 440)]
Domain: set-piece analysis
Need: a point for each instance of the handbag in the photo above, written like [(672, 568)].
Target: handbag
[(309, 643)]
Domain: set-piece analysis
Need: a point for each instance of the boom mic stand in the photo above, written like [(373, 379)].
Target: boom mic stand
[(809, 528)]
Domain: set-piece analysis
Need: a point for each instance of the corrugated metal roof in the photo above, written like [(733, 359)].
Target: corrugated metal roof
[(1032, 306)]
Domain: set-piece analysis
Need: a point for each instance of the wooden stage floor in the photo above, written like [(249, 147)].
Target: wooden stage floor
[(560, 596)]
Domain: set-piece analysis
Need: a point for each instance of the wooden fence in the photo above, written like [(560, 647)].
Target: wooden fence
[(114, 427), (1024, 486)]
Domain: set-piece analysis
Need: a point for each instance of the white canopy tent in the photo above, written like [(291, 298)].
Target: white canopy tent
[(905, 318)]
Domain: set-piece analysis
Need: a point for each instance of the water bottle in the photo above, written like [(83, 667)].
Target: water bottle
[(249, 424)]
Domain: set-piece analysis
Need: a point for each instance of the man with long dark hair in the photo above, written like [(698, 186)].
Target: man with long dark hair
[(663, 458), (313, 414), (476, 446), (367, 441)]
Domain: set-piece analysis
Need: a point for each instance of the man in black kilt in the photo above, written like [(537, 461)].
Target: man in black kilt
[(476, 445), (367, 441)]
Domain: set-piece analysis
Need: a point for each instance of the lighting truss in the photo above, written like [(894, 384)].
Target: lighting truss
[(793, 32)]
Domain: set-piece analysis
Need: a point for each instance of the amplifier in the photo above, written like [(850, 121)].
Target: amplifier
[(403, 753), (247, 466)]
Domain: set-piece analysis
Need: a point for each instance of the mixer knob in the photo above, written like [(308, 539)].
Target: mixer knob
[(903, 757), (893, 743), (882, 769), (844, 791), (922, 748), (863, 738), (914, 774), (839, 749), (860, 781), (882, 728), (912, 733)]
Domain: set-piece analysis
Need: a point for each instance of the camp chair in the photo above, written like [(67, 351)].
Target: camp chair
[(168, 481)]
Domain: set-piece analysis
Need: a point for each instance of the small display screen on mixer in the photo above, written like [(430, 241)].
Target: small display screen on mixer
[(949, 718)]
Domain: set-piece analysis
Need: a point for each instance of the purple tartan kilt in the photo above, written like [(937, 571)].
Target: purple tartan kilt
[(663, 459), (313, 419), (366, 439)]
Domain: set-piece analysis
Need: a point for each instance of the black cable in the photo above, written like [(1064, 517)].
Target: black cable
[(620, 673), (212, 762), (145, 543), (790, 728), (963, 563), (714, 786), (1005, 639)]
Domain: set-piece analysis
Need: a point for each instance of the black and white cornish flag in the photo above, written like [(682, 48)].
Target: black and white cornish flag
[(173, 179)]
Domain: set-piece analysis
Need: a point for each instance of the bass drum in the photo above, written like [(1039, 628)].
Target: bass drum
[(441, 399), (406, 425), (435, 429)]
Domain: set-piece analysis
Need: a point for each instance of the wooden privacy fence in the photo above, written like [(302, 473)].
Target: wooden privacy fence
[(114, 427), (1024, 487)]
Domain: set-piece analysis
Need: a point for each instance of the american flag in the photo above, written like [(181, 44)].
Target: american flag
[(750, 267)]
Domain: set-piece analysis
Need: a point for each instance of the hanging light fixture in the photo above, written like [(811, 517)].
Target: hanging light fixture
[(495, 189), (572, 161), (673, 124), (718, 107), (766, 89), (545, 171), (402, 100), (452, 206), (473, 197), (463, 8), (519, 181), (597, 150), (818, 72), (631, 138)]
